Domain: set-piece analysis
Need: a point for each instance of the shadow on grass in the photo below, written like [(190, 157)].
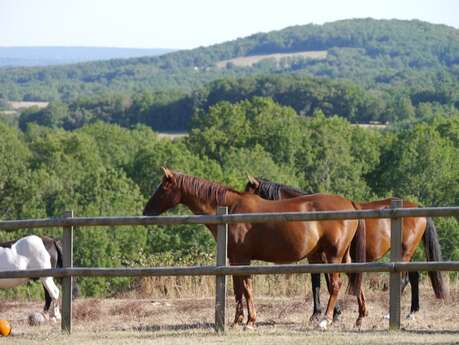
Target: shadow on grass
[(204, 326)]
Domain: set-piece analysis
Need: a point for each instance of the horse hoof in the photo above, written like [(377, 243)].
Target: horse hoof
[(358, 323), (336, 317), (324, 324), (411, 317), (315, 317), (249, 327)]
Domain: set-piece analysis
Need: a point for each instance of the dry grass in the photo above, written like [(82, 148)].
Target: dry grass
[(87, 310), (281, 319)]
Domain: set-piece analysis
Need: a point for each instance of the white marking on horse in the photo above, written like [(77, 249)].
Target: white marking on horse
[(324, 324), (29, 253)]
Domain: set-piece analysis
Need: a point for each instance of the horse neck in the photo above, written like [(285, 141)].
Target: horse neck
[(209, 207)]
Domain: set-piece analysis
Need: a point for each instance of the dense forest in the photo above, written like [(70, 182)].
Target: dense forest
[(94, 149), (173, 111)]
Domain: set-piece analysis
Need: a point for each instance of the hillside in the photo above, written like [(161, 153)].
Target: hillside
[(41, 56), (372, 53)]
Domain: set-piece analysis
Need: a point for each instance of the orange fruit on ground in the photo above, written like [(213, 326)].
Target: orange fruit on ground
[(5, 328)]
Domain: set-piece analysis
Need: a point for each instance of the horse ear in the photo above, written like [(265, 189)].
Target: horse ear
[(167, 173), (253, 181)]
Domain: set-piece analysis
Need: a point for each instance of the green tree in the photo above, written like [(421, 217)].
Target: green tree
[(326, 160), (423, 164)]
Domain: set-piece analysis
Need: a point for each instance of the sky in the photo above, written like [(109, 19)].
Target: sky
[(181, 24)]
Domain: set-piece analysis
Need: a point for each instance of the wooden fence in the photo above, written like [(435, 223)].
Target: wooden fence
[(221, 269)]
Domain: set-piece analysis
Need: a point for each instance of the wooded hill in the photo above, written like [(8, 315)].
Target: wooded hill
[(372, 53)]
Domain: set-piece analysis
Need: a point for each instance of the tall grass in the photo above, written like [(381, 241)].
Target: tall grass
[(280, 285)]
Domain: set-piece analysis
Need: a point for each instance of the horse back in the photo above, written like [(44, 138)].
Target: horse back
[(251, 203), (33, 248)]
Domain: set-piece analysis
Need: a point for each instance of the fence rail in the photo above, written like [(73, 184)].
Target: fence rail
[(11, 225), (221, 270), (389, 267)]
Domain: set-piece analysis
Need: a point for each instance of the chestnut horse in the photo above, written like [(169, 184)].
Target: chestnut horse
[(377, 239), (279, 242)]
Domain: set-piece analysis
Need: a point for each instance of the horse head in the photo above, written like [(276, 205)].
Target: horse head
[(166, 196)]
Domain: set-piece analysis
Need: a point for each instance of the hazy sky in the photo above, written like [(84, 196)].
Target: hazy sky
[(188, 24)]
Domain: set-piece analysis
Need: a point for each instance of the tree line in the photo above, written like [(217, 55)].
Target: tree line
[(106, 169), (173, 111)]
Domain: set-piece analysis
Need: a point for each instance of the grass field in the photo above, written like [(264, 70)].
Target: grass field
[(245, 61), (281, 320), (23, 105)]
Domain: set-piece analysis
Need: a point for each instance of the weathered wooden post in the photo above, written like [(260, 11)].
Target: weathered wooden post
[(396, 225), (67, 261), (220, 295)]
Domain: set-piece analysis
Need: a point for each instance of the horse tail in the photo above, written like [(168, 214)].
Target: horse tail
[(433, 253), (358, 252), (60, 264), (59, 250)]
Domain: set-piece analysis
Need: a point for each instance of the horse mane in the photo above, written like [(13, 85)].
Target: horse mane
[(202, 189), (272, 190), (7, 244)]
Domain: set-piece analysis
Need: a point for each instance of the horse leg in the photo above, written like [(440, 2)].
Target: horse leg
[(404, 281), (248, 294), (414, 282), (337, 310), (333, 288), (361, 301), (315, 285), (362, 308), (48, 300), (413, 277), (335, 285), (238, 294), (53, 291)]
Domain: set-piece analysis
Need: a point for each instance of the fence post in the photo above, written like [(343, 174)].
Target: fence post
[(220, 293), (67, 261), (396, 230)]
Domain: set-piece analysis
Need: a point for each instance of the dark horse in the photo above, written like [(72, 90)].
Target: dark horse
[(280, 242), (377, 239), (54, 248)]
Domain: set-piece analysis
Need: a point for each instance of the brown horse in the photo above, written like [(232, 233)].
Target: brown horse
[(280, 242), (377, 238)]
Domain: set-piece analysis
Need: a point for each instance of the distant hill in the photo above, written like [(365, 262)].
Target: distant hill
[(375, 54), (41, 56)]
